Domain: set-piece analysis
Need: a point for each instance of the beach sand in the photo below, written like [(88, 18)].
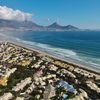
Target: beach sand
[(2, 38), (68, 60)]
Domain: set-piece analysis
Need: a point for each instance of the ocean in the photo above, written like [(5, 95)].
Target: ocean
[(83, 46)]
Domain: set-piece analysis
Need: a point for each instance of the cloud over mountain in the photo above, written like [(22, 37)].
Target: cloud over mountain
[(10, 14)]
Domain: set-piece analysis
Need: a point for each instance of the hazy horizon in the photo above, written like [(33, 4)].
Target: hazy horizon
[(83, 14)]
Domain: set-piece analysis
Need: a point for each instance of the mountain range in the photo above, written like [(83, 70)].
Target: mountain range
[(12, 25)]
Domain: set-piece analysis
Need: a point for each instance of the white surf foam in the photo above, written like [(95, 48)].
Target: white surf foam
[(45, 47), (58, 52), (91, 60), (62, 53)]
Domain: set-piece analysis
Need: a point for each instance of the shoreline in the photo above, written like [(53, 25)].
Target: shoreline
[(67, 60), (61, 59)]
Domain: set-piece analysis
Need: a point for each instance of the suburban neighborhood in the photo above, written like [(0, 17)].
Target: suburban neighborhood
[(30, 75)]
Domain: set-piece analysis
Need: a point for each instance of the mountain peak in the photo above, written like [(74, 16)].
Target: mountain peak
[(55, 25), (71, 27), (29, 25)]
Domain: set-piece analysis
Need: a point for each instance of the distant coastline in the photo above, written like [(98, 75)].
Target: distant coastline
[(23, 26), (12, 25)]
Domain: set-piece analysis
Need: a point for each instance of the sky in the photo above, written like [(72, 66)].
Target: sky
[(80, 13)]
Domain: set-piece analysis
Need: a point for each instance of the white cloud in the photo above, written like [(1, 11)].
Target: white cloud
[(10, 14)]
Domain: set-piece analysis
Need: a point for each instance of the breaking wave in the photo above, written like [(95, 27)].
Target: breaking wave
[(57, 52), (48, 48), (62, 53)]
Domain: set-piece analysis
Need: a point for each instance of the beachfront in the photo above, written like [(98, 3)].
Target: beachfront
[(29, 75)]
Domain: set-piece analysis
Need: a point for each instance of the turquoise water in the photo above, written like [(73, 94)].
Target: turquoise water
[(83, 46)]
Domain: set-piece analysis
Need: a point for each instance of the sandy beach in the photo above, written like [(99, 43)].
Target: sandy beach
[(2, 38), (68, 60)]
